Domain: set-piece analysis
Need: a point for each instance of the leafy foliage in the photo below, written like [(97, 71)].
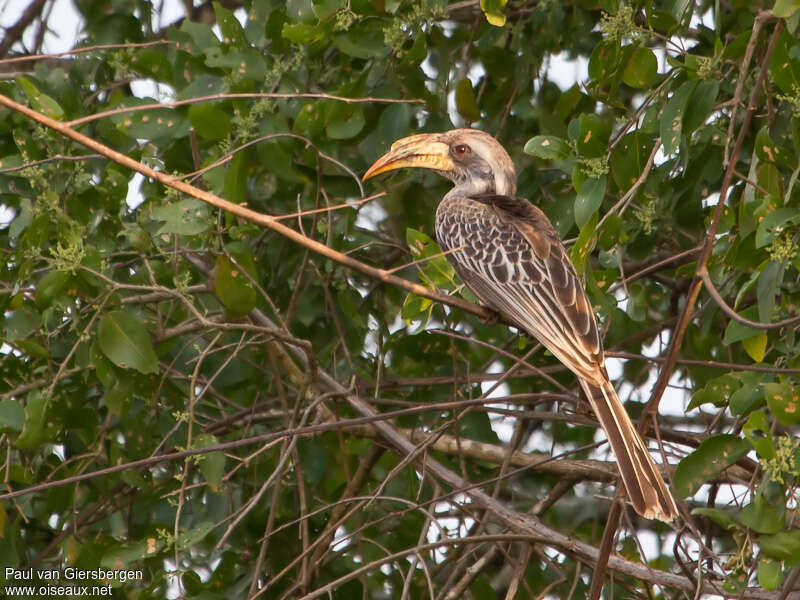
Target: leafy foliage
[(140, 324)]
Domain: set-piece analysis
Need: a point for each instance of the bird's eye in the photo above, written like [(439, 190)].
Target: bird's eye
[(461, 149)]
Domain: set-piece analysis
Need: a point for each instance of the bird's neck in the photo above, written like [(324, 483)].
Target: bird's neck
[(484, 185)]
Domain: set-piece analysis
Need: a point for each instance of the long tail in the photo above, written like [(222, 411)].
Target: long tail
[(646, 488)]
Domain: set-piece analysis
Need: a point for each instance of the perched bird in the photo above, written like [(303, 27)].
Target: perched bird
[(506, 251)]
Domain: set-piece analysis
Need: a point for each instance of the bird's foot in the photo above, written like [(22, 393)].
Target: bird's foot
[(491, 318)]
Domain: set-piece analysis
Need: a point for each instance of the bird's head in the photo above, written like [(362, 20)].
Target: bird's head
[(472, 159)]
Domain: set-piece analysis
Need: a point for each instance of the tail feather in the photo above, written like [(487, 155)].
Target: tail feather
[(646, 488)]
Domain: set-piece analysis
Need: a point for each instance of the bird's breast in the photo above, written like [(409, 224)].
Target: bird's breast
[(459, 219), (479, 241)]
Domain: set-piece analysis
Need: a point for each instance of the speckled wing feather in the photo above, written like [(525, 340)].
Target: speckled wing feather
[(510, 256)]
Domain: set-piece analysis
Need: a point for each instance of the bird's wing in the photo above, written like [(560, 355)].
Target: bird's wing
[(507, 252)]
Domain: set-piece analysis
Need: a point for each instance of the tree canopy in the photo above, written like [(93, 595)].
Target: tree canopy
[(228, 363)]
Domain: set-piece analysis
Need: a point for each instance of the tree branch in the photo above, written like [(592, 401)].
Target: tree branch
[(694, 291), (262, 219), (14, 33)]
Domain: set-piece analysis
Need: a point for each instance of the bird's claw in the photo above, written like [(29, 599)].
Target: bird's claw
[(492, 317)]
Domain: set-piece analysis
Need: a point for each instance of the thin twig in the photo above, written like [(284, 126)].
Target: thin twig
[(680, 328), (712, 290), (240, 96), (265, 220)]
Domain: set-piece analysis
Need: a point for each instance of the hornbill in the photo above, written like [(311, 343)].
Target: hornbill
[(508, 253)]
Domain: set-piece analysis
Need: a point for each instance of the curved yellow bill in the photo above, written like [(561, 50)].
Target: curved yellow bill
[(421, 150)]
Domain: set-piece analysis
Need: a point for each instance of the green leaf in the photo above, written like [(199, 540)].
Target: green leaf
[(723, 518), (756, 346), (229, 26), (481, 589), (436, 270), (611, 232), (301, 10), (677, 8), (768, 151), (590, 197), (628, 159), (785, 8), (362, 40), (235, 182), (493, 10), (302, 33), (49, 287), (547, 147), (638, 302), (203, 85), (123, 338), (12, 416), (784, 545), (641, 68), (247, 63), (345, 121), (185, 217), (770, 181), (711, 457), (736, 332), (200, 34), (700, 105), (39, 101), (152, 124), (416, 309), (716, 392), (22, 220), (103, 368), (735, 583), (583, 246), (327, 8), (466, 104), (762, 517), (118, 396), (33, 429), (770, 574), (316, 459), (393, 123), (749, 396), (121, 556), (153, 64), (784, 65), (212, 465), (774, 223), (209, 122), (783, 401), (477, 426), (604, 61), (757, 432), (768, 285), (672, 117), (232, 287), (793, 23), (349, 301), (590, 133)]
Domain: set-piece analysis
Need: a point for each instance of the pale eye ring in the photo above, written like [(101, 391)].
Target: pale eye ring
[(461, 149)]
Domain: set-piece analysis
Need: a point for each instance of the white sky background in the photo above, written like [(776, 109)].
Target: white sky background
[(66, 26)]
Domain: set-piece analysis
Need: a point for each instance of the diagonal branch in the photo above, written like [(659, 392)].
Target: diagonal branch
[(708, 244), (726, 308), (243, 212), (520, 523), (237, 96), (694, 292), (14, 33)]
